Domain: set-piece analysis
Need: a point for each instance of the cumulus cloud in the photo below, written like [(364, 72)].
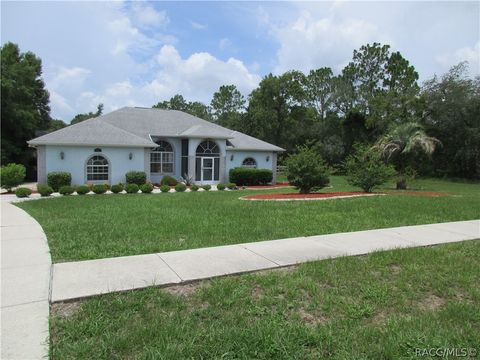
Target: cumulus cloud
[(198, 26), (470, 54), (146, 16)]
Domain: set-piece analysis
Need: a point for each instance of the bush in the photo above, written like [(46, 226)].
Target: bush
[(82, 190), (168, 180), (232, 186), (44, 190), (248, 176), (99, 189), (118, 188), (164, 188), (221, 187), (306, 170), (132, 188), (146, 188), (136, 177), (58, 179), (12, 175), (194, 187), (23, 192), (366, 169), (66, 190), (180, 187), (206, 187)]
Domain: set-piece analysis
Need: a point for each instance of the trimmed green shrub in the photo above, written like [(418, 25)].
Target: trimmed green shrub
[(12, 175), (136, 177), (164, 188), (146, 188), (168, 180), (66, 190), (99, 189), (194, 187), (44, 190), (366, 169), (23, 192), (307, 171), (221, 187), (82, 190), (118, 188), (248, 176), (58, 179), (232, 186), (180, 187), (206, 187), (132, 188)]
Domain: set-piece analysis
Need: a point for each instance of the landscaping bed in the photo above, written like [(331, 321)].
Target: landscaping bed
[(310, 196)]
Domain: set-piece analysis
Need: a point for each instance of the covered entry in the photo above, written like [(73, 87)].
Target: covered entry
[(207, 162)]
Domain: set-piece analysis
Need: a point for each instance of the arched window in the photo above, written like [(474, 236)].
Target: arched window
[(97, 168), (208, 148), (207, 162), (161, 158), (249, 163)]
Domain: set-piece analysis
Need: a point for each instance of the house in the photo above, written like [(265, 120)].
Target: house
[(159, 142)]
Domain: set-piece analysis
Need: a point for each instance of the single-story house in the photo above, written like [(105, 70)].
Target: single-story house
[(158, 142)]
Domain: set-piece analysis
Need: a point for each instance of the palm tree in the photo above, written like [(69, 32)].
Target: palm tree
[(402, 142)]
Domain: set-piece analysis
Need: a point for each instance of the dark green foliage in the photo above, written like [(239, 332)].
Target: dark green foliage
[(23, 192), (146, 188), (132, 188), (248, 176), (136, 177), (117, 188), (307, 171), (180, 187), (221, 187), (82, 189), (12, 175), (194, 108), (66, 190), (366, 169), (58, 179), (99, 189), (194, 187), (82, 117), (168, 180), (227, 106), (206, 187), (164, 188), (232, 186), (44, 190)]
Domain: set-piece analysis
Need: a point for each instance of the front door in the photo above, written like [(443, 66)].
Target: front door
[(208, 169)]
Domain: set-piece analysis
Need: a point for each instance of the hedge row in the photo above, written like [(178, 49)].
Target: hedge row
[(247, 176)]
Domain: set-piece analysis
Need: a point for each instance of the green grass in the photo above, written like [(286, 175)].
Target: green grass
[(99, 226), (380, 306)]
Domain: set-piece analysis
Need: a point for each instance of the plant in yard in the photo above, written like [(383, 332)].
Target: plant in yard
[(206, 187), (221, 187), (44, 190), (306, 170), (232, 186), (136, 177), (58, 179), (12, 175), (401, 144), (118, 188), (99, 189), (146, 188), (132, 188), (164, 188), (194, 187), (180, 187), (366, 169), (187, 179), (66, 190), (168, 180), (249, 176), (82, 189), (23, 192)]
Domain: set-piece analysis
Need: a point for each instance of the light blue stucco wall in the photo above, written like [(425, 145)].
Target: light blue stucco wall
[(75, 158), (259, 156)]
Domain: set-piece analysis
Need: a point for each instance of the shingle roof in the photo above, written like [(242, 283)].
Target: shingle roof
[(134, 126)]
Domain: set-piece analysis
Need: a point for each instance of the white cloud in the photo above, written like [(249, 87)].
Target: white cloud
[(198, 26), (146, 16), (224, 43), (469, 54), (76, 74)]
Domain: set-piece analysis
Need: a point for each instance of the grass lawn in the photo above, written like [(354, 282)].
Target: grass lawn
[(99, 226), (380, 306)]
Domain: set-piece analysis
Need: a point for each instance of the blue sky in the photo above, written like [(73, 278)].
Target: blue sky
[(139, 53)]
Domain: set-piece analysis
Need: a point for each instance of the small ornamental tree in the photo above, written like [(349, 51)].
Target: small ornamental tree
[(307, 171), (366, 169), (12, 175)]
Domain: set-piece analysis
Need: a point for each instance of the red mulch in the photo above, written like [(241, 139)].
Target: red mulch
[(278, 196)]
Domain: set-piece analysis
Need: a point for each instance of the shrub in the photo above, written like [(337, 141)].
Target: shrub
[(58, 179), (206, 187), (82, 190), (180, 187), (146, 188), (12, 175), (23, 192), (194, 187), (164, 188), (99, 189), (118, 188), (66, 190), (232, 186), (136, 177), (366, 169), (306, 170), (44, 190), (248, 176), (221, 187), (168, 180), (132, 188)]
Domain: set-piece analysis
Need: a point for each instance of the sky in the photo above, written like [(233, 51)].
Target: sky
[(139, 53)]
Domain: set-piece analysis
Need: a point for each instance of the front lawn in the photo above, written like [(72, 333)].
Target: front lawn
[(380, 306), (99, 226)]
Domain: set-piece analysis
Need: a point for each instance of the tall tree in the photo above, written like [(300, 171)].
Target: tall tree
[(227, 105), (178, 102), (82, 117), (24, 102), (319, 91)]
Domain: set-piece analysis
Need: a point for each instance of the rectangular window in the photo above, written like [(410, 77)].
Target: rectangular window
[(161, 162)]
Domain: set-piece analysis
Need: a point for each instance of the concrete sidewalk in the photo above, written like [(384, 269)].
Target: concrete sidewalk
[(26, 270), (93, 277)]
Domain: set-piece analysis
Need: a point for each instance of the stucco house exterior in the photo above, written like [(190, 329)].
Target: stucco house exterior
[(159, 142)]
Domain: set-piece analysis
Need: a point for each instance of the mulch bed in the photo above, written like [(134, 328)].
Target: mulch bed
[(311, 196)]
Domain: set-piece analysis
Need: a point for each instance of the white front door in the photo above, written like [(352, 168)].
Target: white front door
[(208, 169)]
